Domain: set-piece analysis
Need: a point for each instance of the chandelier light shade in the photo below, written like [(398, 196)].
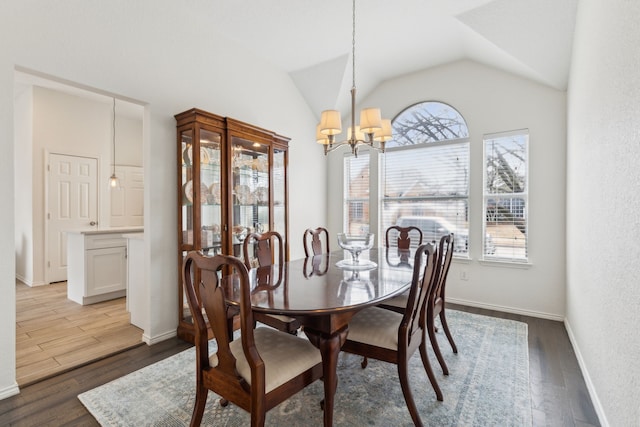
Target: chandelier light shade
[(385, 133), (370, 120), (320, 137), (114, 182), (372, 127), (330, 122)]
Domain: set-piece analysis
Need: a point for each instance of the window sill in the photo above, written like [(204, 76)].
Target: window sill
[(505, 264)]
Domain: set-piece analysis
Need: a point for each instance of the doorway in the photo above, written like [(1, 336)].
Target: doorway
[(72, 130)]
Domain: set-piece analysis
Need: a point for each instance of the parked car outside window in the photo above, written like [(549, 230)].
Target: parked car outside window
[(433, 228)]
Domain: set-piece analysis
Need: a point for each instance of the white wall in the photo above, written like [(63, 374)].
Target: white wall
[(603, 229), (150, 51), (493, 101), (128, 140), (24, 182), (8, 385)]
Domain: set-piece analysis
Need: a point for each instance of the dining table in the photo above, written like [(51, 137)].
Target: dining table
[(324, 296)]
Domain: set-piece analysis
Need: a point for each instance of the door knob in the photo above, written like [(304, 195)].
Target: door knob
[(92, 223)]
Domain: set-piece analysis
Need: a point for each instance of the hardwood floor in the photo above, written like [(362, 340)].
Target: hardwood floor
[(53, 402), (559, 394), (54, 334)]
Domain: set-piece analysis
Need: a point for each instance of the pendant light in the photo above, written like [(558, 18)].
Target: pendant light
[(114, 182)]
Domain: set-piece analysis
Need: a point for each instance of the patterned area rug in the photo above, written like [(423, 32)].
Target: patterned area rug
[(488, 385)]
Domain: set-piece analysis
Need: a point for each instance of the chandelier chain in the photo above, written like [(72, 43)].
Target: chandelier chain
[(353, 46)]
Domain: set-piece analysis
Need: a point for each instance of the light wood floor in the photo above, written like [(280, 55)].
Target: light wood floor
[(55, 334)]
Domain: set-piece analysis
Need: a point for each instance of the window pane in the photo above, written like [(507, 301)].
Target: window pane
[(506, 164), (427, 187), (356, 193), (427, 122), (505, 196), (506, 228)]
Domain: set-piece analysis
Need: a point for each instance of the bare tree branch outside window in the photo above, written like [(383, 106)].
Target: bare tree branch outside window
[(428, 122)]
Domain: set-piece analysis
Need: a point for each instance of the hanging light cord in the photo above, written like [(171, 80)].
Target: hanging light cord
[(114, 137)]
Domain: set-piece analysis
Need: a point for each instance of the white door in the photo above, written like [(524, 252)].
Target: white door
[(127, 202), (71, 204)]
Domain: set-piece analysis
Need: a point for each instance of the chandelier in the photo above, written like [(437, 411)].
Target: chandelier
[(372, 127)]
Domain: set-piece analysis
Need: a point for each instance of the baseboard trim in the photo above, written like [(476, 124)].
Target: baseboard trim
[(158, 338), (597, 405), (12, 390), (28, 282), (506, 309)]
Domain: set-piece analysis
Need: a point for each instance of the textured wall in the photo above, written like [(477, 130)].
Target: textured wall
[(603, 205)]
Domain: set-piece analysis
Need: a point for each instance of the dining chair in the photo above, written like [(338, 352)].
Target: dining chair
[(393, 337), (436, 300), (263, 250), (403, 245), (312, 240), (404, 236), (257, 371)]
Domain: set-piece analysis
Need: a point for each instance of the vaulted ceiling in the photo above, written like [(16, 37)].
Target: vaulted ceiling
[(311, 40)]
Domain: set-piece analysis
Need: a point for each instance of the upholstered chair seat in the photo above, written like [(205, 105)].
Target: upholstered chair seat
[(274, 348)]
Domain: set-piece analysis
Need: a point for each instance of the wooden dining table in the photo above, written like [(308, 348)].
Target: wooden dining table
[(324, 297)]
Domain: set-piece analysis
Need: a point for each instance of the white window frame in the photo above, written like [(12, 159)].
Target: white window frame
[(365, 200), (502, 255), (462, 249)]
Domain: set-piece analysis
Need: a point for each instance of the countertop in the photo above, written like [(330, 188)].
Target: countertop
[(134, 236), (120, 230)]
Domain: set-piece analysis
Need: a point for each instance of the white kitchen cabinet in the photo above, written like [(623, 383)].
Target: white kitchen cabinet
[(97, 265), (137, 295)]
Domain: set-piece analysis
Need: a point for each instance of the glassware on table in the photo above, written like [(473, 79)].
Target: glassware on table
[(356, 244)]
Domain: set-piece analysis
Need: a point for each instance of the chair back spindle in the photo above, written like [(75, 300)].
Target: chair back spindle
[(264, 252), (403, 240)]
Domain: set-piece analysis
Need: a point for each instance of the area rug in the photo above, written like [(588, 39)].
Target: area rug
[(488, 385)]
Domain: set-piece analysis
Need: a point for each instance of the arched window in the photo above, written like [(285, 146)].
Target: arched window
[(424, 176), (427, 122)]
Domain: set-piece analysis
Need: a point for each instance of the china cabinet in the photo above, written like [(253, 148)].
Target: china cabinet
[(232, 181)]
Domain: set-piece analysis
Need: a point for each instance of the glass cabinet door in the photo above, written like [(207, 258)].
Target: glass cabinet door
[(250, 189), (210, 193), (279, 191), (186, 183)]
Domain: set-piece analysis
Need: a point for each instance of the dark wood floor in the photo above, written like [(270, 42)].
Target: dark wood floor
[(559, 394)]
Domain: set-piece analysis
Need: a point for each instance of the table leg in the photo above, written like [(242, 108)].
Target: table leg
[(329, 346)]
